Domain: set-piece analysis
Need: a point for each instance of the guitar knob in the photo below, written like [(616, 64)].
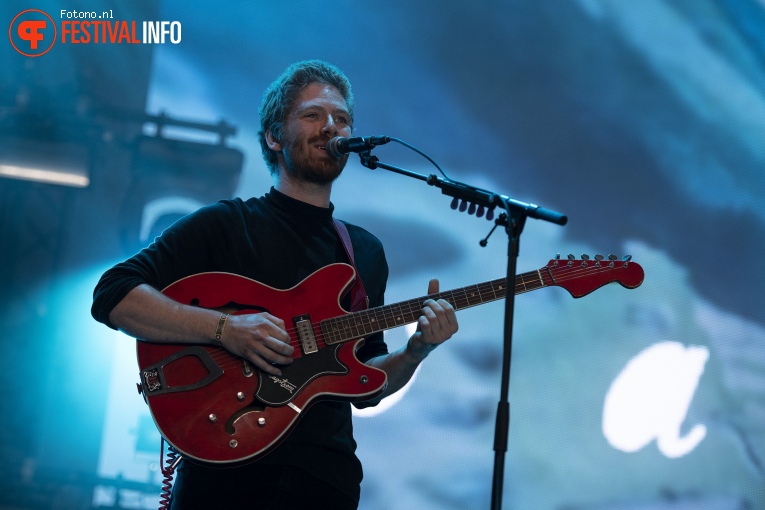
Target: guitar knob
[(213, 418), (240, 396), (261, 422)]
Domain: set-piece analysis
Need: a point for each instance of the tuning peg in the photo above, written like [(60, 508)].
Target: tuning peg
[(557, 256), (612, 257), (599, 257), (626, 258), (455, 203), (571, 256), (585, 256)]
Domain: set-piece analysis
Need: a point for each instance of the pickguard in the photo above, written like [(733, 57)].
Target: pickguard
[(280, 390)]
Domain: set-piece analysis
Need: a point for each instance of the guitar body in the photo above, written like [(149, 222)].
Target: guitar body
[(215, 407)]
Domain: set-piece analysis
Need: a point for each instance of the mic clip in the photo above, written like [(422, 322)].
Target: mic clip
[(368, 160)]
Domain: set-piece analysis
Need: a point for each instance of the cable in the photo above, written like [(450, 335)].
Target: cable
[(173, 459)]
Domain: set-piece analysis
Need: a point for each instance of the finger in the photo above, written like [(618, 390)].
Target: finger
[(440, 319), (266, 359), (278, 346), (274, 350), (449, 316), (433, 286), (430, 326), (264, 366), (276, 327)]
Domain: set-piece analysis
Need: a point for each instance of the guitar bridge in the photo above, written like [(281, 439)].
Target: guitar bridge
[(304, 332)]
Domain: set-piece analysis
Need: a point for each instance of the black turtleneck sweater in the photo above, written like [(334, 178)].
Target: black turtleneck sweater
[(277, 241)]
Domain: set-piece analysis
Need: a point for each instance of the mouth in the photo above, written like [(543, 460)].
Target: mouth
[(320, 144)]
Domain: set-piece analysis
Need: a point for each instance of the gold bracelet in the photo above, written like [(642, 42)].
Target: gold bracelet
[(219, 330)]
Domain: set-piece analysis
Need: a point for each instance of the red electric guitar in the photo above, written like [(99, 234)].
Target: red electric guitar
[(215, 407)]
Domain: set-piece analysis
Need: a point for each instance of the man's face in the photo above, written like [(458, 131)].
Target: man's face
[(319, 114)]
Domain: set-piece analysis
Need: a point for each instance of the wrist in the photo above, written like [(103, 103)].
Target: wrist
[(418, 352), (218, 335)]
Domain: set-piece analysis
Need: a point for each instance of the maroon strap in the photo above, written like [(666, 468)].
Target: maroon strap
[(359, 298)]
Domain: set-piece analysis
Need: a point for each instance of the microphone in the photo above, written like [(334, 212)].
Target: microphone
[(340, 145)]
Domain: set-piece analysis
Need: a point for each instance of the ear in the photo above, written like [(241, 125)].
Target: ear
[(272, 142)]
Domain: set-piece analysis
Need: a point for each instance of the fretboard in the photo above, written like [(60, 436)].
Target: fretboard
[(366, 322)]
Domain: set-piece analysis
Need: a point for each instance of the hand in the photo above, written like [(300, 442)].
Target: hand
[(260, 338), (436, 325)]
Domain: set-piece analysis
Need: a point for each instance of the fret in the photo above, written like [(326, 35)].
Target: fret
[(520, 282), (351, 326), (329, 331), (369, 321), (449, 296), (387, 317), (413, 310), (530, 281), (359, 323), (377, 319), (499, 288), (461, 299), (397, 315), (473, 295)]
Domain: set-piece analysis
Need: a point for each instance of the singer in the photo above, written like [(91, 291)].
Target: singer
[(278, 240)]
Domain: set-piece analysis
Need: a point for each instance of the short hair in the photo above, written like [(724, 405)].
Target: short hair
[(280, 96)]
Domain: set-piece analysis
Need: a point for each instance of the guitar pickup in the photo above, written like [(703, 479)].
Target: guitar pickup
[(304, 332)]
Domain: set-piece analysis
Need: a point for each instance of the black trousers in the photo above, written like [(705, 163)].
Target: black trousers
[(266, 488)]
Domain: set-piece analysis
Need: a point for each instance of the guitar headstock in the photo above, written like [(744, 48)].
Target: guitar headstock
[(584, 275)]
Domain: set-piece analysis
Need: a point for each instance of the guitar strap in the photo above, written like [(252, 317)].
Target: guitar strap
[(359, 298)]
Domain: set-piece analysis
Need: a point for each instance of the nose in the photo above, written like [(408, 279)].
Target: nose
[(330, 128)]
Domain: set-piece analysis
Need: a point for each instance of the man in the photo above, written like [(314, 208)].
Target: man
[(277, 240)]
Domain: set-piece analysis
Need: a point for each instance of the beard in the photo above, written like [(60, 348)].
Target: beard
[(304, 163)]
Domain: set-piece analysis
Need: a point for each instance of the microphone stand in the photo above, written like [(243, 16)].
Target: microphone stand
[(513, 219)]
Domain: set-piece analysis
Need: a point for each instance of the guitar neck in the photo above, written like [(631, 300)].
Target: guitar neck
[(366, 322)]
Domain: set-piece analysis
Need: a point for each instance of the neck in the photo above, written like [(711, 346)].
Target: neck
[(308, 192)]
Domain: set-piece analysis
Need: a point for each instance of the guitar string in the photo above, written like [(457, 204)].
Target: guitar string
[(567, 273)]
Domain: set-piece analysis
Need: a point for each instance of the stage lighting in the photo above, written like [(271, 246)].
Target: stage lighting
[(51, 162)]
